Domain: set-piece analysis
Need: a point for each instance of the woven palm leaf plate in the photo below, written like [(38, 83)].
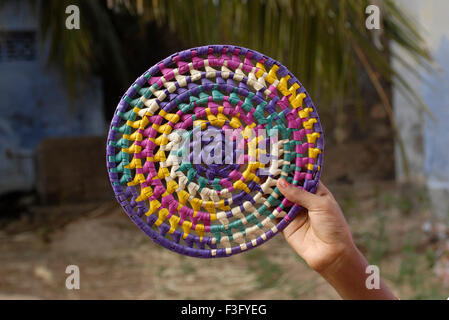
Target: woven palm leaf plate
[(159, 160)]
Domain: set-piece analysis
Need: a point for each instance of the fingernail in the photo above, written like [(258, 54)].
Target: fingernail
[(283, 183)]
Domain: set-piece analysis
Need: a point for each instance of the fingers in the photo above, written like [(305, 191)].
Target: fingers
[(296, 195), (296, 224), (322, 190)]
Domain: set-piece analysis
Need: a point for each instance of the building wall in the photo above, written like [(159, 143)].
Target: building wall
[(34, 102), (427, 140)]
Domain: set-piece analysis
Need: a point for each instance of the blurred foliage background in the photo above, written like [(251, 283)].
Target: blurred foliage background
[(324, 43)]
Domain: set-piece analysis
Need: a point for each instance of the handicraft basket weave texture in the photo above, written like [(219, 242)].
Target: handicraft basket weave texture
[(212, 209)]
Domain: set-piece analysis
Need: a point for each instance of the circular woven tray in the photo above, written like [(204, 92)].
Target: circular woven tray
[(194, 109)]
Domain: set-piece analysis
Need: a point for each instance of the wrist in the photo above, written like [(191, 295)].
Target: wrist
[(350, 258), (347, 274)]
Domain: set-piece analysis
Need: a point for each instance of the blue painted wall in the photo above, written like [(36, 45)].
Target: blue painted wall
[(34, 103)]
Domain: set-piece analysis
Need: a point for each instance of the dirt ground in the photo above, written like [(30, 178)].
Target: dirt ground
[(117, 261)]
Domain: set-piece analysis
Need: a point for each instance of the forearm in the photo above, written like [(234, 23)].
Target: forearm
[(348, 276)]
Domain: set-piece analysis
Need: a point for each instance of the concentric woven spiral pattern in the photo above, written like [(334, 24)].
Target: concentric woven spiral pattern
[(212, 210)]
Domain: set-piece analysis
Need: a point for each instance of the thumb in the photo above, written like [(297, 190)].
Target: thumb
[(297, 195)]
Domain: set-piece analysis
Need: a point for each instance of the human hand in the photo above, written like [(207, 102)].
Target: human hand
[(320, 233), (321, 236)]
